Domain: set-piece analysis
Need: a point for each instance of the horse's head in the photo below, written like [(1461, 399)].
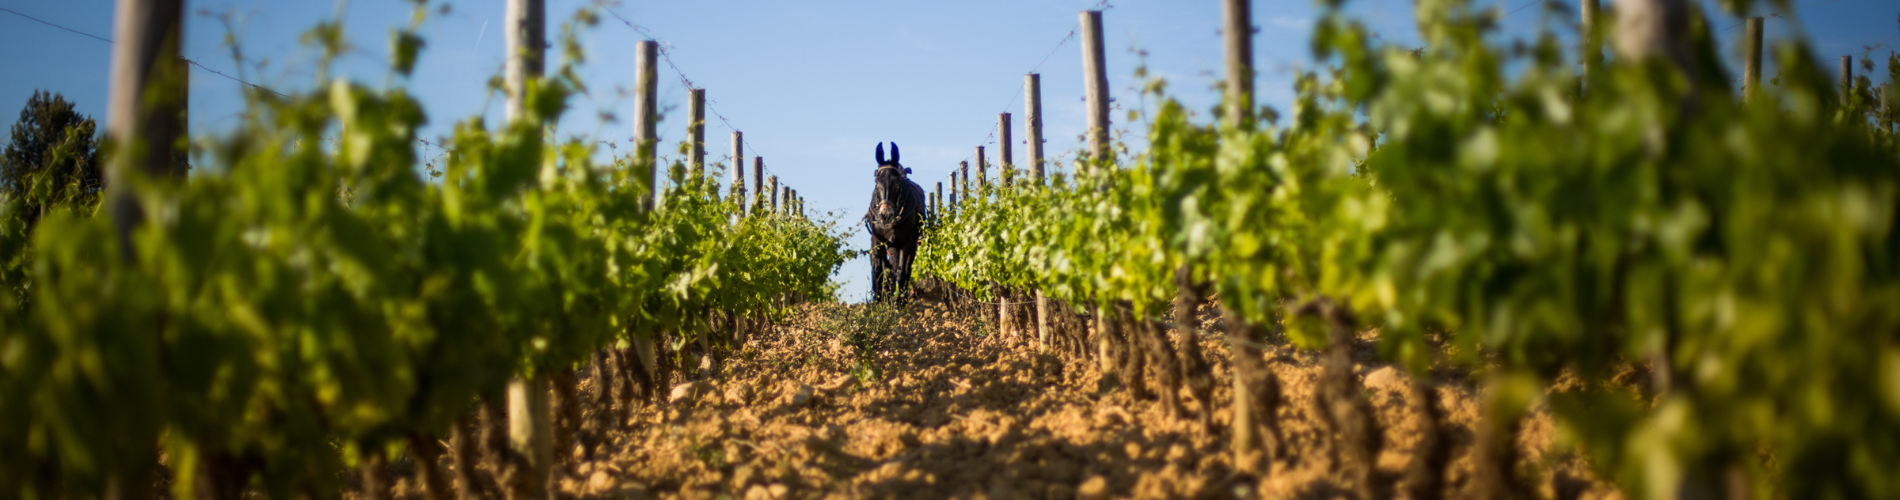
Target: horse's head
[(880, 157)]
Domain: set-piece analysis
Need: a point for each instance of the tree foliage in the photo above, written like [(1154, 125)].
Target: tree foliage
[(50, 158)]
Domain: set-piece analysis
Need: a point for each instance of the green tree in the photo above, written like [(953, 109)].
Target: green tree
[(50, 161)]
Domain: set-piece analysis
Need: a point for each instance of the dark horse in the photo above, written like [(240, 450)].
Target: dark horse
[(895, 220)]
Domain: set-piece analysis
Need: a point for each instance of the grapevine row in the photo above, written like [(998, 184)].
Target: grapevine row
[(1492, 209), (321, 302)]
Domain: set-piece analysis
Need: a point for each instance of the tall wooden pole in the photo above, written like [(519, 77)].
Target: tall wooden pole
[(953, 188), (645, 166), (964, 167), (696, 132), (646, 135), (758, 177), (145, 62), (1751, 67), (1847, 79), (1237, 33), (1005, 168), (1095, 74), (526, 37), (936, 201), (773, 182), (1592, 49), (738, 170), (982, 174), (530, 426), (1032, 123)]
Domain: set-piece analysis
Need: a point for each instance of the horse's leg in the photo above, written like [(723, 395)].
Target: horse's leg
[(904, 257), (878, 272)]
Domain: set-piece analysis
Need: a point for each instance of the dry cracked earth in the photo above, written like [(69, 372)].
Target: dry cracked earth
[(961, 412)]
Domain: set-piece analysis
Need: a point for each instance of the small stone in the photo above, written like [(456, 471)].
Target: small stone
[(599, 481), (778, 490), (1383, 378), (738, 394), (757, 492), (689, 390), (802, 396), (838, 382), (1095, 487)]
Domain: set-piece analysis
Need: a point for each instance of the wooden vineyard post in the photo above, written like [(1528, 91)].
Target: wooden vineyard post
[(646, 118), (1032, 127), (530, 423), (953, 188), (1095, 74), (936, 202), (646, 139), (145, 62), (1032, 124), (982, 175), (1237, 34), (1005, 169), (738, 170), (1847, 79), (772, 203), (696, 134), (1751, 65), (964, 167), (758, 177)]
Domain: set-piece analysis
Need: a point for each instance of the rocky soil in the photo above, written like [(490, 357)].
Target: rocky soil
[(961, 412)]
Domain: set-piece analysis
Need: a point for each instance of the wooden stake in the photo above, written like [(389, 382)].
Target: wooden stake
[(645, 118), (758, 177), (982, 175), (1847, 79), (1005, 168), (738, 170), (526, 37), (696, 133), (953, 188), (1751, 66), (773, 182), (1032, 123), (964, 167), (530, 422), (1237, 32), (1095, 73), (145, 62)]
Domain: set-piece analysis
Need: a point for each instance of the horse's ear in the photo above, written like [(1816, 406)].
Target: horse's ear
[(880, 152), (894, 152)]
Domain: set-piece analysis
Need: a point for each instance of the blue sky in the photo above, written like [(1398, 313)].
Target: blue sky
[(814, 85)]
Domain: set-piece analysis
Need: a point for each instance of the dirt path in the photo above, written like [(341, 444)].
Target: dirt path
[(960, 413)]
